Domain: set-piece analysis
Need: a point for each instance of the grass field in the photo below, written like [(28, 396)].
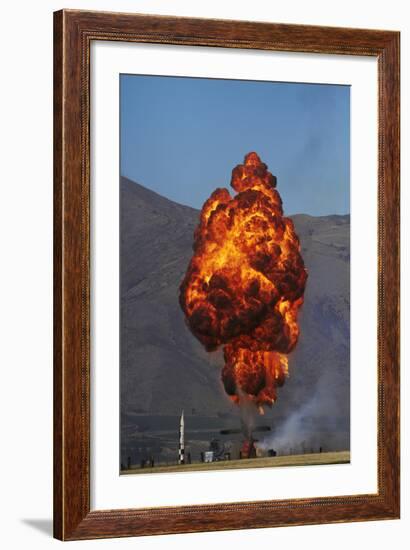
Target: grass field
[(340, 457)]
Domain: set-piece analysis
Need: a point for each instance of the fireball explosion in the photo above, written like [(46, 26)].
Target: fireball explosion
[(245, 283)]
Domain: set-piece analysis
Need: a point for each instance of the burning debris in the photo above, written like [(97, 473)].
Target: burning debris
[(245, 283)]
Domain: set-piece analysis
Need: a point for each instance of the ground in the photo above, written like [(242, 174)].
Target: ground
[(340, 457)]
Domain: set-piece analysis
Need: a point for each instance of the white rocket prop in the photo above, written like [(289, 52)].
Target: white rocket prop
[(181, 451)]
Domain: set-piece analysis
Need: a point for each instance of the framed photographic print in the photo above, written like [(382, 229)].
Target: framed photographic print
[(226, 262)]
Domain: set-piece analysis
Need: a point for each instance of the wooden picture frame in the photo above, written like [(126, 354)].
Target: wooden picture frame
[(74, 32)]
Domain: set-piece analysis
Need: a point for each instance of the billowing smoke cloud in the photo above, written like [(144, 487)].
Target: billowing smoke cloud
[(318, 424)]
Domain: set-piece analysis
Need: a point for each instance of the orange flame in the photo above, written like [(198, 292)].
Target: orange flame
[(245, 283)]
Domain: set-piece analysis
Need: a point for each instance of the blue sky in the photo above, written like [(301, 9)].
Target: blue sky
[(181, 137)]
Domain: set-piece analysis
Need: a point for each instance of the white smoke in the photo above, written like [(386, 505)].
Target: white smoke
[(293, 435), (313, 426)]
